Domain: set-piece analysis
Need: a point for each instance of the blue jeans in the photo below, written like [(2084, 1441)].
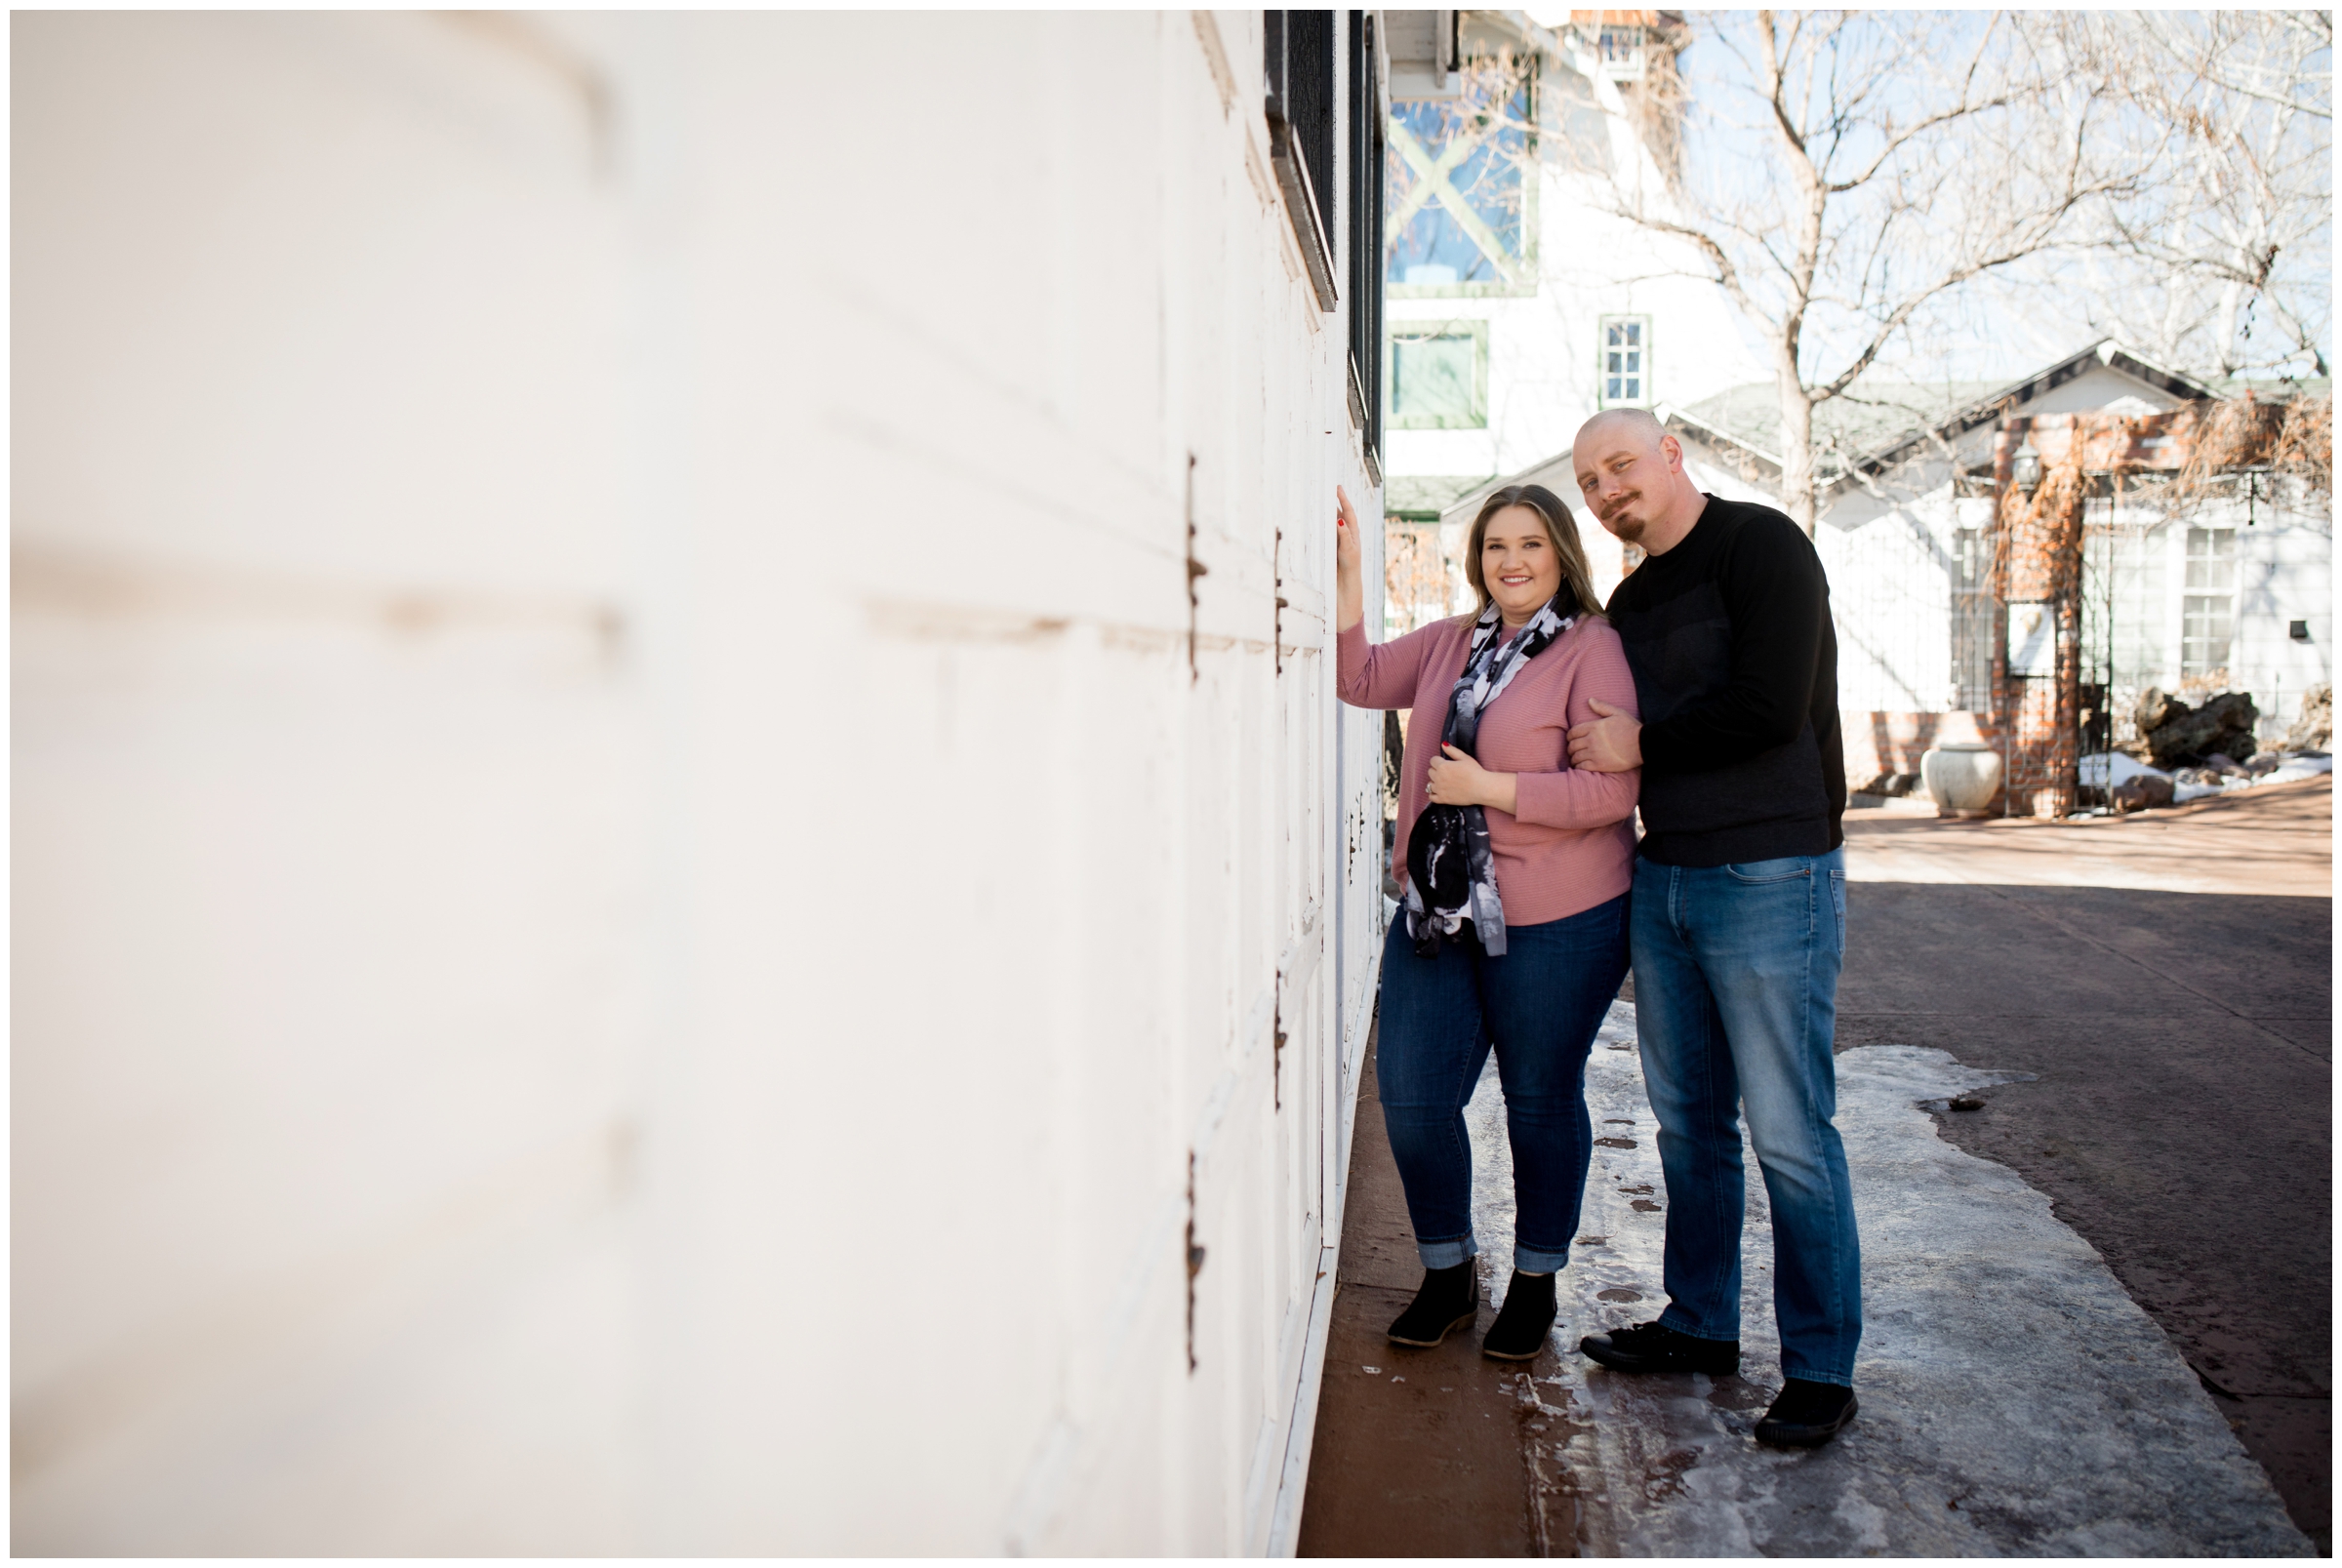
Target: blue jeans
[(1538, 1006), (1736, 995)]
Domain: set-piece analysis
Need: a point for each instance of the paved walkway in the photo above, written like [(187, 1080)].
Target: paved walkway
[(2168, 981), (2017, 1398)]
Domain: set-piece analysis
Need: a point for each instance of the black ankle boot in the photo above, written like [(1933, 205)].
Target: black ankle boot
[(1519, 1330), (1449, 1299), (1807, 1414)]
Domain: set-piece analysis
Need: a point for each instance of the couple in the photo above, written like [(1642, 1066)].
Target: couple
[(1709, 682)]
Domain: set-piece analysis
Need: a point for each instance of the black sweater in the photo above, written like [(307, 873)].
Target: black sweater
[(1736, 670)]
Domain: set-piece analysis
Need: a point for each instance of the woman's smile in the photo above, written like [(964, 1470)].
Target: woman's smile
[(1520, 564)]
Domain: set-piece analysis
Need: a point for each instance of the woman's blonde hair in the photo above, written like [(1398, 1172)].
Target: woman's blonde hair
[(1560, 527)]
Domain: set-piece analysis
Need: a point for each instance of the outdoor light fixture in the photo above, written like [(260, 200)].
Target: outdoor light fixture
[(2025, 467)]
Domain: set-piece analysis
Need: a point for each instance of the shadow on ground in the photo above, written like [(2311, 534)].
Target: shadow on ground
[(2181, 1117)]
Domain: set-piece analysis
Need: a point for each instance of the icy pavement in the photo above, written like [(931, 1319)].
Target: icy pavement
[(2015, 1400)]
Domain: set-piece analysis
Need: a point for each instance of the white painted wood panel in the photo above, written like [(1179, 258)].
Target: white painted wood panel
[(647, 921)]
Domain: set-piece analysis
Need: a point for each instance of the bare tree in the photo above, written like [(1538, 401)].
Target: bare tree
[(2222, 263), (1842, 174)]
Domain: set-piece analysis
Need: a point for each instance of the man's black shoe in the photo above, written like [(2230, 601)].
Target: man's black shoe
[(1519, 1330), (1656, 1348), (1807, 1414), (1448, 1298)]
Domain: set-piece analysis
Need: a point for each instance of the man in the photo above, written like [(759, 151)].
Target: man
[(1738, 922)]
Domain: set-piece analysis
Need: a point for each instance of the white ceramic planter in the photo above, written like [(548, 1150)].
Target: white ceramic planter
[(1963, 778)]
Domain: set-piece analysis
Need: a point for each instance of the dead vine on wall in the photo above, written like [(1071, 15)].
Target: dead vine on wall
[(2294, 438)]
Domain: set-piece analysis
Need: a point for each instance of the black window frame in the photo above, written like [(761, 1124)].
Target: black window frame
[(1298, 66), (1367, 155)]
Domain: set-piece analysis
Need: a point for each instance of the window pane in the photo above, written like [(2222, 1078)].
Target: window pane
[(1431, 378), (2212, 558), (1489, 126), (2206, 627), (1623, 359)]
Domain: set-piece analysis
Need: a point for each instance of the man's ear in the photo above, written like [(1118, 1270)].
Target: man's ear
[(1673, 450)]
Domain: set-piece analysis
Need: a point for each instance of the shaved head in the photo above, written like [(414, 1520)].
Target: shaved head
[(1632, 473), (1638, 425)]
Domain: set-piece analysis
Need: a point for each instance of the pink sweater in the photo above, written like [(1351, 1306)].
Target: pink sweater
[(1571, 846)]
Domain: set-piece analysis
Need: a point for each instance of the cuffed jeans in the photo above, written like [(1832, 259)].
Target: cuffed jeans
[(1736, 995), (1538, 1007)]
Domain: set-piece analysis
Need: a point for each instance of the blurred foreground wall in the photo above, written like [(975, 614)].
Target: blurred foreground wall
[(646, 919)]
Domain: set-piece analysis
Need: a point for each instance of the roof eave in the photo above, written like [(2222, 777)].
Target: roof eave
[(1668, 416), (2105, 351)]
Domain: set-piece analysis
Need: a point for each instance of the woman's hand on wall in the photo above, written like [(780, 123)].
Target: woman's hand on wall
[(1349, 589), (1458, 779)]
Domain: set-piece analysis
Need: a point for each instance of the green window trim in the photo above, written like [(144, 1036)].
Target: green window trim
[(1453, 401)]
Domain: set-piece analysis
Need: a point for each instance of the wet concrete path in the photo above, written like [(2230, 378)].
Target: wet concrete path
[(2016, 1399)]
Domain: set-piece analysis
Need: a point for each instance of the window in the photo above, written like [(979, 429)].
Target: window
[(1463, 185), (1440, 375), (1621, 50), (1626, 366), (1301, 82), (1971, 617), (2207, 608), (1585, 140)]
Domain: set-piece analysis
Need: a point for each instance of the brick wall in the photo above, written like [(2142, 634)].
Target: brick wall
[(1879, 742)]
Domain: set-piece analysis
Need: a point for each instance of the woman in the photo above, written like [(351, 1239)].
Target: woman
[(1516, 868)]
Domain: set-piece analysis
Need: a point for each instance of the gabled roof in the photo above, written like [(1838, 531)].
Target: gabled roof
[(1749, 415), (1884, 424)]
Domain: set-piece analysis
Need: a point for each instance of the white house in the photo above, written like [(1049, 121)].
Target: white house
[(2231, 593), (1516, 309)]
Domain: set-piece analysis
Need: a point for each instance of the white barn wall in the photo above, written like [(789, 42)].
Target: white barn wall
[(647, 921)]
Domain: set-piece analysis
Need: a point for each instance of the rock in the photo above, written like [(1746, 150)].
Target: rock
[(2139, 792), (2313, 731), (2264, 762), (2223, 725), (2222, 762), (2156, 708)]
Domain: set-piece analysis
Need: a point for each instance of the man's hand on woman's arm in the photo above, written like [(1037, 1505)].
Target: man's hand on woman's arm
[(1349, 591), (1609, 743)]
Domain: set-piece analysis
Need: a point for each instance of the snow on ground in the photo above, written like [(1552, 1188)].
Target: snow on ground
[(2014, 1399)]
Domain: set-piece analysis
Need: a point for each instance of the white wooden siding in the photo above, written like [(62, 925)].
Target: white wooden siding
[(645, 920)]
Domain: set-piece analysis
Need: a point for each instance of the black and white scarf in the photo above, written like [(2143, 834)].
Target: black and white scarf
[(1451, 878)]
